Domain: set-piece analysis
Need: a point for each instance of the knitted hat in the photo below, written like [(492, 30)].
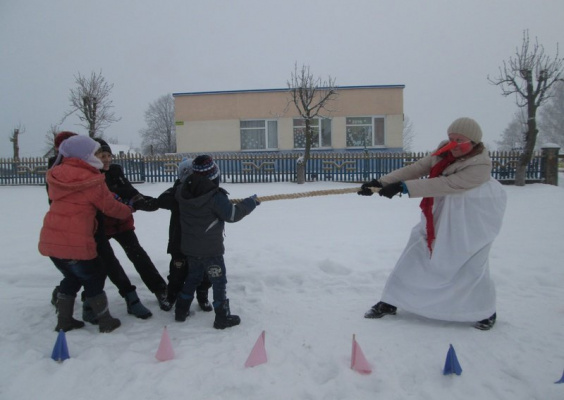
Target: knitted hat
[(104, 145), (62, 136), (81, 147), (204, 165), (466, 127), (184, 168)]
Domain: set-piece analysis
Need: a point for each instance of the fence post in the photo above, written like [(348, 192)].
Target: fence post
[(550, 163)]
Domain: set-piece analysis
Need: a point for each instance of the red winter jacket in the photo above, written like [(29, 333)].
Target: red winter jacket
[(77, 191)]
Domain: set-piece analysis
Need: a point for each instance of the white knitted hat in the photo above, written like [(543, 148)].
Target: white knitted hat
[(467, 127)]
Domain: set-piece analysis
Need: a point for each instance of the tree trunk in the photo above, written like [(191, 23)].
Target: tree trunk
[(302, 167), (300, 172), (520, 175), (530, 140)]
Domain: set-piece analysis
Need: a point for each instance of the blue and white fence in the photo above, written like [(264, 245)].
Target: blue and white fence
[(270, 167)]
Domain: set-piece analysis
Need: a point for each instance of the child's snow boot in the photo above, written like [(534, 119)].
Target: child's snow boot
[(106, 323), (135, 307), (223, 317), (182, 310), (65, 309), (163, 300), (54, 296), (88, 314), (203, 302)]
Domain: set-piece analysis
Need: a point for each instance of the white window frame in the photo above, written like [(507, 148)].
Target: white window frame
[(373, 135), (270, 138), (315, 145)]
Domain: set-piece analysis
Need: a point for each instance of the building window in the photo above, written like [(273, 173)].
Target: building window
[(322, 139), (365, 131), (259, 134)]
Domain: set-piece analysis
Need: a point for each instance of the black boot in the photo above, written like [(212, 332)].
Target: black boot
[(162, 298), (106, 323), (380, 309), (486, 324), (203, 302), (88, 314), (135, 307), (182, 310), (176, 277), (223, 317), (65, 309), (54, 296)]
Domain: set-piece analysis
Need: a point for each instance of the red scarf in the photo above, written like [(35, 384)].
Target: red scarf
[(427, 202)]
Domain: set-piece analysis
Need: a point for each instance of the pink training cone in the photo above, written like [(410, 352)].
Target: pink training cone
[(165, 351), (358, 361), (258, 353)]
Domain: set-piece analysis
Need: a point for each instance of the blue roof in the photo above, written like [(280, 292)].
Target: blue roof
[(286, 89)]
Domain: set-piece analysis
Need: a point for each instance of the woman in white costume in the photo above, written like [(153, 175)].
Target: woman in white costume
[(443, 272)]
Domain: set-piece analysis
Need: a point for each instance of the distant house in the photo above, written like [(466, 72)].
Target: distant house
[(362, 117), (122, 149)]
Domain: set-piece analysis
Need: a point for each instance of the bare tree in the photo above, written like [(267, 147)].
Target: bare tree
[(14, 138), (91, 100), (159, 136), (551, 118), (513, 137), (530, 74), (50, 139), (408, 134), (310, 96)]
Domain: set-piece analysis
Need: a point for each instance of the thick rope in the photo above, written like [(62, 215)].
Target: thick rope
[(288, 196)]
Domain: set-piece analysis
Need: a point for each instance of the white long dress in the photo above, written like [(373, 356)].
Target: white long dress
[(452, 284)]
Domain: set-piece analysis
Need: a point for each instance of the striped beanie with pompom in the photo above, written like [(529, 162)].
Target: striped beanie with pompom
[(205, 166)]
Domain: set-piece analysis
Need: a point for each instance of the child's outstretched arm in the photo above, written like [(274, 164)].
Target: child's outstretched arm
[(229, 212)]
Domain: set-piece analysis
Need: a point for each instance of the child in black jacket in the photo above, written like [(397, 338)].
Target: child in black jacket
[(178, 269), (204, 209)]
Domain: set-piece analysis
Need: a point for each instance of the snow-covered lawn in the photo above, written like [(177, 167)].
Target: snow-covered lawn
[(304, 271)]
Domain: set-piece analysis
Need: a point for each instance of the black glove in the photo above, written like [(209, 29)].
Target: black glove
[(150, 204), (365, 188), (391, 190), (256, 200), (144, 203)]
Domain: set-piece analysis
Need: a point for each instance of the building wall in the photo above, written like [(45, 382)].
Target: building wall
[(210, 122)]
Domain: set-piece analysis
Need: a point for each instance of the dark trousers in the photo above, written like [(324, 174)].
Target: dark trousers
[(141, 261), (214, 268), (80, 273), (178, 271), (112, 266)]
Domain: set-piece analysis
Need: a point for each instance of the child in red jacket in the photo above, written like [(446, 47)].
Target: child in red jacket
[(77, 191)]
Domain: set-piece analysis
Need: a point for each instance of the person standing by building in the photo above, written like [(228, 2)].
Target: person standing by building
[(443, 272)]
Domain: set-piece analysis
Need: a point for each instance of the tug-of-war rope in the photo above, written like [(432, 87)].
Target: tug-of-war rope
[(315, 193)]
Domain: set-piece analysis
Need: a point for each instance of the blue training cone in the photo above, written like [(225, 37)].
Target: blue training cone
[(452, 366), (60, 351), (561, 379)]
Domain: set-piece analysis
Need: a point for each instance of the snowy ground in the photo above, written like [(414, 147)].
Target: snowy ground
[(305, 271)]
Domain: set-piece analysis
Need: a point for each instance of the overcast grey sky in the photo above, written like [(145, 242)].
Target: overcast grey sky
[(441, 50)]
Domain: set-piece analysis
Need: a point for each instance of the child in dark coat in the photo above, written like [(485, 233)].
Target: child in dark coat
[(204, 209), (123, 231), (178, 270)]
